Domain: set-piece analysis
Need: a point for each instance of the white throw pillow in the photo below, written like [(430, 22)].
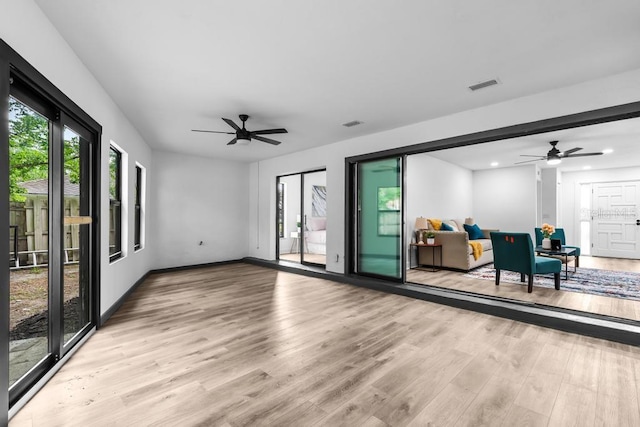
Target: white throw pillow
[(452, 224)]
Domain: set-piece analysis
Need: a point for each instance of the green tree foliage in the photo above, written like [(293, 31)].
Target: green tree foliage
[(29, 150)]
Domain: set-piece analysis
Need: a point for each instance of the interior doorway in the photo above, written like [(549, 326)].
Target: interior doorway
[(301, 215), (615, 219)]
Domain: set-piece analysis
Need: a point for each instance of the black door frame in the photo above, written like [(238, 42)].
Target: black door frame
[(14, 68), (352, 219), (302, 237), (603, 115)]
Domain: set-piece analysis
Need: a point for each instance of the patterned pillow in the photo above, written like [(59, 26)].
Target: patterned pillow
[(451, 223), (446, 227)]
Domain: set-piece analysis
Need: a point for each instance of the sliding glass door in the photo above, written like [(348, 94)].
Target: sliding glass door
[(301, 215), (52, 190), (314, 218), (379, 223)]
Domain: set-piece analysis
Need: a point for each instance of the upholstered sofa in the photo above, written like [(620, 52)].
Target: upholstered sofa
[(457, 253)]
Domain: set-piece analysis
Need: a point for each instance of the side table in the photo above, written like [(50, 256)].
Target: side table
[(434, 248)]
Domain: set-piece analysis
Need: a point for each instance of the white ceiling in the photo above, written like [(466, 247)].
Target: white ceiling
[(310, 66), (623, 137)]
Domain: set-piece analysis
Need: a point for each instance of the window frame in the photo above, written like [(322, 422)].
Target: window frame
[(115, 203), (138, 220)]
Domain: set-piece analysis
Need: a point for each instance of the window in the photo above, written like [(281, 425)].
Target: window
[(115, 204), (281, 204), (139, 209)]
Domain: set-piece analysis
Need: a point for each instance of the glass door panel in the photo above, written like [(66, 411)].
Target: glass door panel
[(29, 134), (289, 228), (314, 215), (379, 220), (76, 224)]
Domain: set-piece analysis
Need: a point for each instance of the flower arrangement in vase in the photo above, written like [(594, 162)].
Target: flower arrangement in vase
[(547, 231)]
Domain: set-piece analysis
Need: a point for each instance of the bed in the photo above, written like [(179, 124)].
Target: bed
[(316, 235)]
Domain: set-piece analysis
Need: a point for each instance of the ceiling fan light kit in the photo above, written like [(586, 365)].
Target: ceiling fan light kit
[(554, 161), (244, 136)]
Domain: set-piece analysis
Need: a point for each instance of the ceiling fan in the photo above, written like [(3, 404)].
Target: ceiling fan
[(555, 156), (244, 136)]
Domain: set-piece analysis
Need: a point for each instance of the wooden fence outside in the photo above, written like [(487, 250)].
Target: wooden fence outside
[(32, 220)]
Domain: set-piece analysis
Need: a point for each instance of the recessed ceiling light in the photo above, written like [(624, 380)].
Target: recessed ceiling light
[(607, 151), (494, 164), (352, 123), (586, 167)]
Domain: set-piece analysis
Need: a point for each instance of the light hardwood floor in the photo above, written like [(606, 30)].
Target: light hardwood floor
[(610, 306), (308, 257), (245, 345)]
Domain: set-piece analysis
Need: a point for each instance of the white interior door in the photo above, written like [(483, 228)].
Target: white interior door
[(615, 219)]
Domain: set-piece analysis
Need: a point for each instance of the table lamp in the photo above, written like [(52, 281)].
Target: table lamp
[(421, 224)]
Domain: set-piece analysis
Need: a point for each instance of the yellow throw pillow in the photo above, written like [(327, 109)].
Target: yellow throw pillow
[(435, 223)]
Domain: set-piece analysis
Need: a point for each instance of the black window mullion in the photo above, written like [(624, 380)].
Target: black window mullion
[(56, 241)]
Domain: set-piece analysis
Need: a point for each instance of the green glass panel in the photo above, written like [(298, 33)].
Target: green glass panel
[(380, 217)]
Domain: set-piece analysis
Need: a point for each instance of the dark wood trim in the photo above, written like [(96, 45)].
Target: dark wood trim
[(572, 321), (194, 266), (116, 305)]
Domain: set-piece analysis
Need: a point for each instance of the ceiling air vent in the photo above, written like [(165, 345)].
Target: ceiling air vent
[(352, 123), (482, 85)]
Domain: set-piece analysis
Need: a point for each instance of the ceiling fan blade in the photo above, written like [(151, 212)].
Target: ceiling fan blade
[(268, 131), (529, 161), (568, 152), (532, 155), (584, 155), (231, 123), (233, 141), (267, 140), (212, 131)]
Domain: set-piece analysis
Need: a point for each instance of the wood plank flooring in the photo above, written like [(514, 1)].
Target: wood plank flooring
[(610, 306), (243, 345)]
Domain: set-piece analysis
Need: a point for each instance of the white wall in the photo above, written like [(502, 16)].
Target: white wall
[(549, 199), (607, 92), (25, 28), (505, 198), (570, 194), (436, 189), (195, 200)]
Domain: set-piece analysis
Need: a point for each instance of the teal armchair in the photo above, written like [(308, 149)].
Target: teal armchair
[(515, 252), (559, 234)]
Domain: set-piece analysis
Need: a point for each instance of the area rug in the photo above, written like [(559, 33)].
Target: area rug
[(619, 284)]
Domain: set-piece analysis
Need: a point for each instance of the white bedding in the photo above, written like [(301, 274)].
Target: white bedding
[(316, 235)]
